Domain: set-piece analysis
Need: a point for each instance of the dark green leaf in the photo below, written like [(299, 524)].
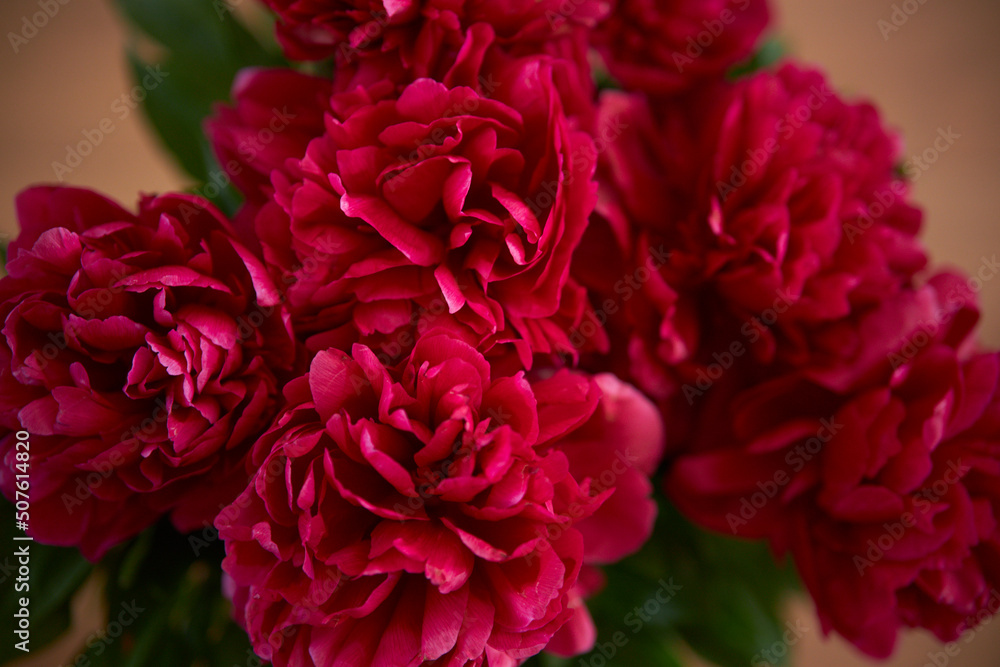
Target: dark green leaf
[(204, 46), (65, 571), (218, 188), (55, 575), (721, 596), (168, 605), (203, 30), (176, 109), (770, 52), (735, 610)]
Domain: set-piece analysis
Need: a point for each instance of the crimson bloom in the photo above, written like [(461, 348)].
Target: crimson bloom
[(797, 215), (274, 116), (439, 206), (882, 480), (619, 448), (667, 46), (422, 514), (425, 36), (140, 352)]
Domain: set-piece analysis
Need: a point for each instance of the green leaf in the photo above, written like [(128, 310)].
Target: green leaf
[(735, 611), (219, 188), (55, 575), (604, 80), (203, 46), (168, 605), (770, 52), (65, 571), (644, 650), (719, 595), (128, 570), (203, 31), (175, 109)]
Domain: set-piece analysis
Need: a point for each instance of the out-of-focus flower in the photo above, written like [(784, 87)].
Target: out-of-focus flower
[(882, 480), (426, 37), (769, 196), (667, 46)]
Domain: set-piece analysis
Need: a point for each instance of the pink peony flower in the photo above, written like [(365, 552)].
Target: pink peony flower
[(667, 46), (437, 207), (425, 36), (412, 516), (882, 480), (139, 351)]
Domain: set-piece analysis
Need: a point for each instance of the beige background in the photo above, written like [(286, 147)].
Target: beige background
[(940, 69)]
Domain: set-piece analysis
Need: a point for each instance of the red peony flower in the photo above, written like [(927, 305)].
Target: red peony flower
[(618, 448), (439, 207), (276, 113), (139, 353), (882, 482), (425, 36), (666, 46), (797, 217), (425, 513)]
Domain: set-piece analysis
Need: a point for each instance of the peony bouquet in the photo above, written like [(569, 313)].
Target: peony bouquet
[(496, 333)]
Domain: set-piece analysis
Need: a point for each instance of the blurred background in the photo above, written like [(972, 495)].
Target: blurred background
[(930, 65)]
